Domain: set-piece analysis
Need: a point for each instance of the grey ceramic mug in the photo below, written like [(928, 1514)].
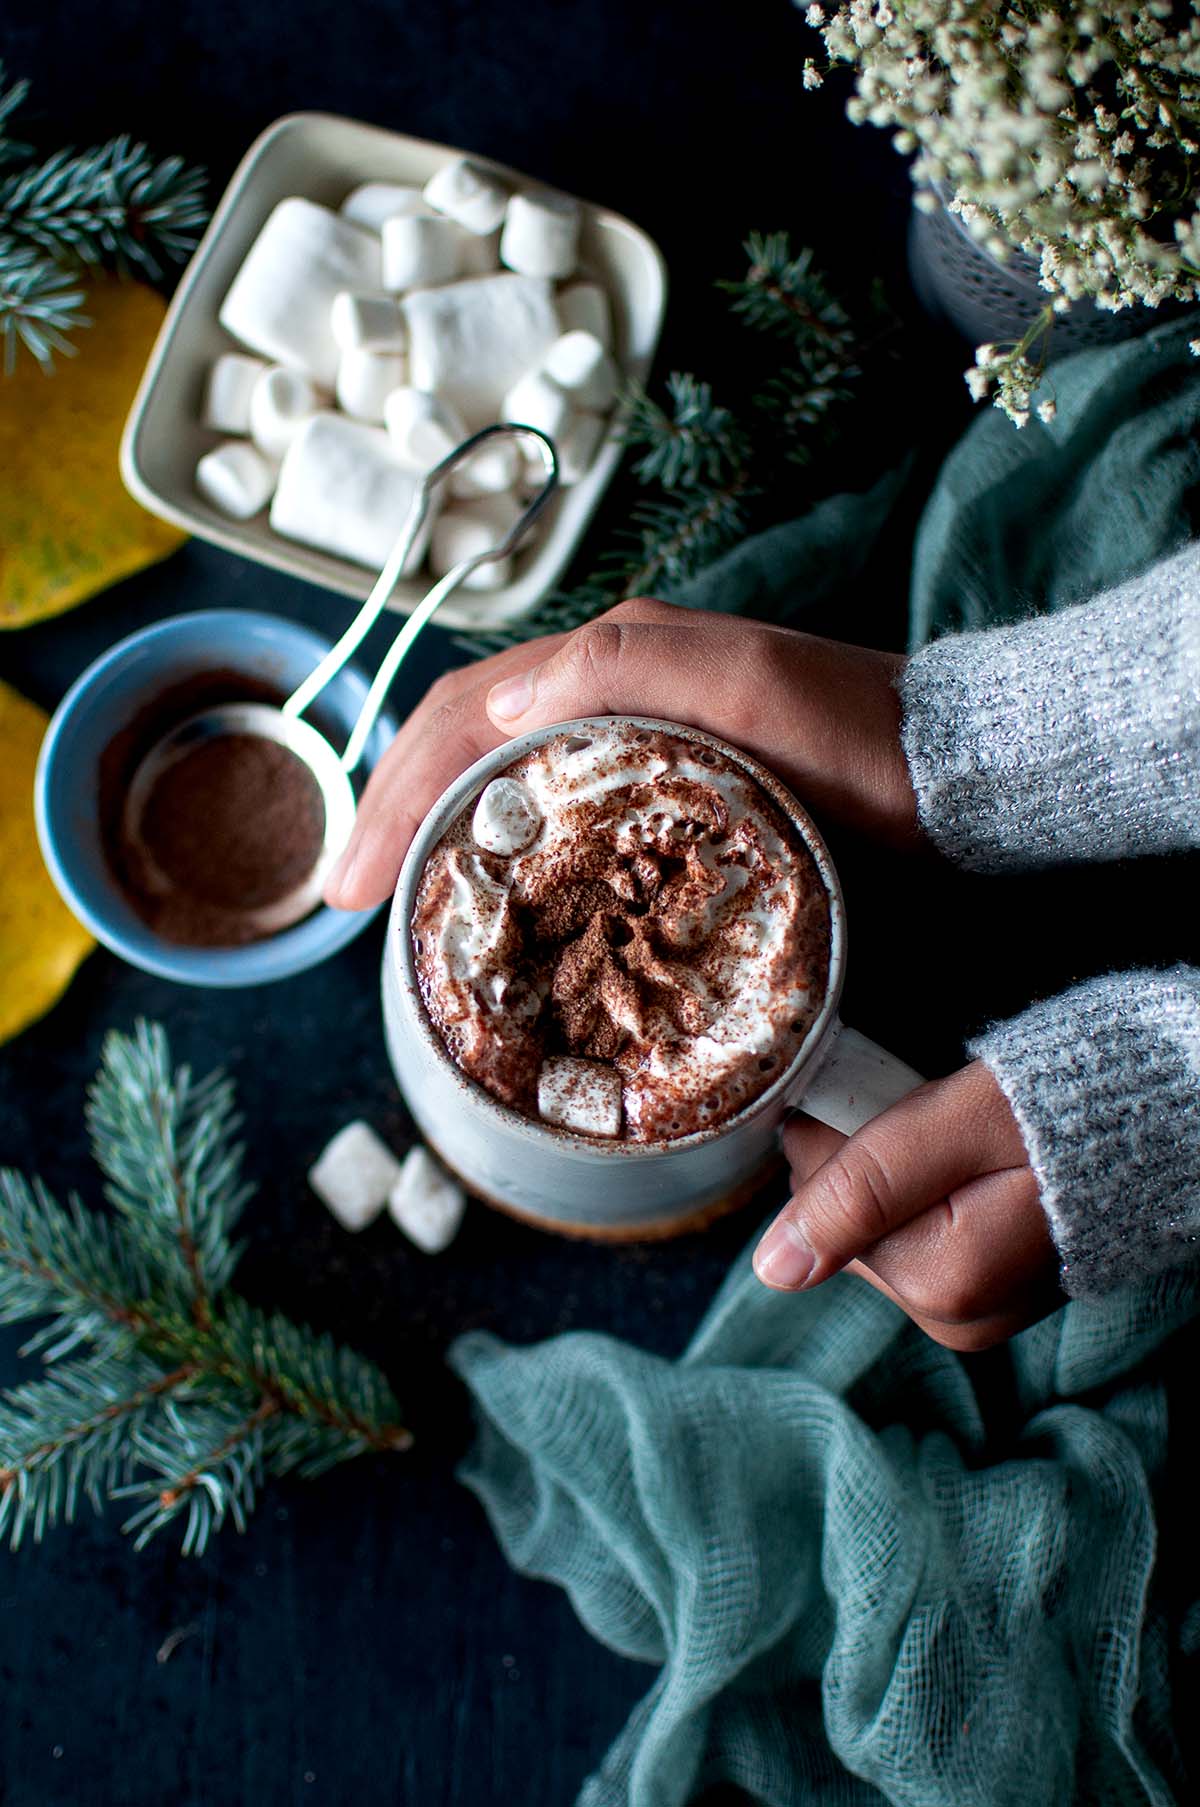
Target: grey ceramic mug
[(582, 1184)]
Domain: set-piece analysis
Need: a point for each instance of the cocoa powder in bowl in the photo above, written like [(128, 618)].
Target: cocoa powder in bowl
[(230, 827)]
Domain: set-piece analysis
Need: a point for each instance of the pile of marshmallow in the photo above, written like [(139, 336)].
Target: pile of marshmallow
[(379, 338), (357, 1174)]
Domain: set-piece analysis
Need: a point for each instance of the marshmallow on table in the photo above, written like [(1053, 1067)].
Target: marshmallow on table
[(506, 818), (579, 364), (469, 528), (420, 251), (343, 490), (468, 194), (354, 1175), (367, 323), (583, 1095), (279, 302), (365, 379), (584, 307), (538, 401), (541, 234), (374, 202), (422, 427), (281, 403), (426, 1203), (491, 471), (227, 393), (236, 478), (471, 341)]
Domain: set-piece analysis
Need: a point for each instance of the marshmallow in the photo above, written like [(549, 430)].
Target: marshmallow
[(420, 251), (576, 449), (367, 323), (426, 1203), (584, 307), (342, 489), (583, 1095), (468, 529), (537, 401), (579, 364), (279, 301), (365, 379), (468, 194), (374, 202), (227, 393), (478, 256), (506, 817), (472, 341), (541, 234), (281, 403), (490, 471), (422, 427), (236, 479), (354, 1175)]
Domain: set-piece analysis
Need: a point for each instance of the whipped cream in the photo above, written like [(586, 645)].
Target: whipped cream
[(663, 916)]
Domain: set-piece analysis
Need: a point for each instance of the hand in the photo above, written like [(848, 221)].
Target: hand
[(933, 1202), (824, 717)]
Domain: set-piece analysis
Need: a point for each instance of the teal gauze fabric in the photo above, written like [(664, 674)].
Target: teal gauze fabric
[(861, 1576)]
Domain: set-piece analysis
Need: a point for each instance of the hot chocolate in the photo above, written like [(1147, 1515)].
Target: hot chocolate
[(624, 936)]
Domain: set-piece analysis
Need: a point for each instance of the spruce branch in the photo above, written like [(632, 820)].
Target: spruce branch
[(187, 1395), (114, 203), (719, 471)]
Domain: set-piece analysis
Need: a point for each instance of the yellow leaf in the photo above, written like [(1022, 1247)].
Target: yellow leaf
[(67, 526), (41, 944)]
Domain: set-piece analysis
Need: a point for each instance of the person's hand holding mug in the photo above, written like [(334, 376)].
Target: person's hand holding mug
[(934, 1202)]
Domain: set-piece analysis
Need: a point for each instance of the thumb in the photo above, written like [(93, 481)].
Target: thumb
[(908, 1158)]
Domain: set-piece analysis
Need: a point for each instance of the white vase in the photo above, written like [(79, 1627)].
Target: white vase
[(990, 302)]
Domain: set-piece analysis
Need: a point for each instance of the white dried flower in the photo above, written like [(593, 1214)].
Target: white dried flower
[(1046, 411), (812, 75), (815, 16)]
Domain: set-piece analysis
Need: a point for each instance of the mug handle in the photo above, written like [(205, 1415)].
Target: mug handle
[(855, 1081)]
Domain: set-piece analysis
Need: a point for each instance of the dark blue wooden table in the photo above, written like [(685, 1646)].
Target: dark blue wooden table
[(364, 1641)]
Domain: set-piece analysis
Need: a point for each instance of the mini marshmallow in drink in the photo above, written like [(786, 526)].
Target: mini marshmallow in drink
[(468, 194), (506, 818), (422, 427), (583, 1095), (579, 364), (466, 529), (227, 393), (354, 1175), (365, 379), (584, 307), (420, 252), (541, 234), (367, 323), (426, 1203), (236, 478), (537, 401), (471, 341), (281, 403), (374, 202), (342, 489), (280, 300)]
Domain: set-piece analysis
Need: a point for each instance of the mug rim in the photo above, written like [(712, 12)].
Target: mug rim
[(453, 801), (317, 938)]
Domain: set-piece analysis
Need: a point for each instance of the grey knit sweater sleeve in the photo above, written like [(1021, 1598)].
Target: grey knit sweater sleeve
[(1077, 737)]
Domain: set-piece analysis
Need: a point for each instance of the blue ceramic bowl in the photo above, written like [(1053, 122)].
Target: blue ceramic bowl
[(109, 696)]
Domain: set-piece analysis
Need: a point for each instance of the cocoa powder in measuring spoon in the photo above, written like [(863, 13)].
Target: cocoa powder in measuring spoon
[(232, 826)]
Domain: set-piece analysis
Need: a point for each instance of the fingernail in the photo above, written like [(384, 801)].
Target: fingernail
[(340, 871), (511, 697), (783, 1259)]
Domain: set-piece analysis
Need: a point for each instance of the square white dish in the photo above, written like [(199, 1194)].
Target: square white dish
[(322, 158)]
